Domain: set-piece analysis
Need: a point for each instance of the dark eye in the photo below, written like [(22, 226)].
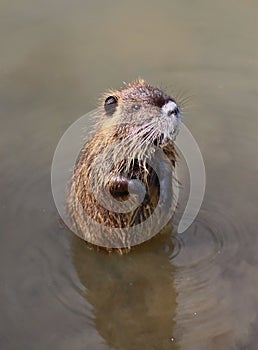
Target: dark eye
[(110, 105), (136, 107)]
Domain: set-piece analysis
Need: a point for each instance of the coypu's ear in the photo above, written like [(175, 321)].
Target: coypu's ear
[(110, 104)]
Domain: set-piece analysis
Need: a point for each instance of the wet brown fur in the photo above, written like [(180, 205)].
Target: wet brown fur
[(96, 155)]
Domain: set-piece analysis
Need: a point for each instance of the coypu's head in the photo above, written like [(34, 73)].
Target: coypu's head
[(142, 113)]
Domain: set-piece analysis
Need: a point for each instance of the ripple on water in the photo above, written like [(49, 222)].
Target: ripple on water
[(41, 282), (214, 307)]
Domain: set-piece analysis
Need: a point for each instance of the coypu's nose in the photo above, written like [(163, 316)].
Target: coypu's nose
[(170, 108)]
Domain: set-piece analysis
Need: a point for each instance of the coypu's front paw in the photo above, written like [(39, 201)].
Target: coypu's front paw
[(121, 188)]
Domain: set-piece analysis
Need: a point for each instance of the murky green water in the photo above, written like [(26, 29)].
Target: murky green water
[(56, 59)]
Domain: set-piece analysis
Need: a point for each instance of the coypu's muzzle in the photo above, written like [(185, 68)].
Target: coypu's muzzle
[(145, 125)]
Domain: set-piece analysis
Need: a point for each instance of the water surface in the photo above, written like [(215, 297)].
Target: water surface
[(197, 290)]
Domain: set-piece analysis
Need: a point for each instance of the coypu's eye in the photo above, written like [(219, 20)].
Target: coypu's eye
[(110, 105), (136, 107)]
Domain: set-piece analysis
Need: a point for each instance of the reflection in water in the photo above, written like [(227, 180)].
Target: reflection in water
[(154, 298), (132, 295)]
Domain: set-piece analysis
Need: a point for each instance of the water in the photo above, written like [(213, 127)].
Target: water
[(194, 291)]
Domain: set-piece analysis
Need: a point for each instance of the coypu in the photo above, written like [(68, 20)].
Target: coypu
[(124, 172)]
